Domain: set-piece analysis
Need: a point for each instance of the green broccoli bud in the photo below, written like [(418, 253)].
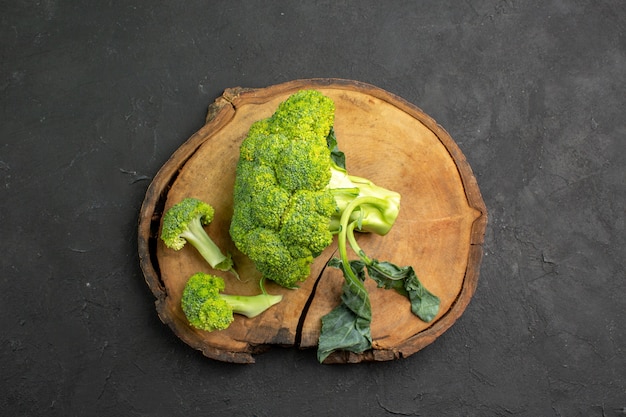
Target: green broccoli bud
[(184, 222), (206, 308)]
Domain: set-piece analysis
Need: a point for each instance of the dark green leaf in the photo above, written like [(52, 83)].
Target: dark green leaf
[(347, 327), (388, 275), (335, 263), (343, 330), (424, 304), (338, 157), (354, 295)]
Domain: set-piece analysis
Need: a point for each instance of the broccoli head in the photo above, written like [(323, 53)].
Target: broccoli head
[(290, 192), (184, 222), (206, 308), (281, 204)]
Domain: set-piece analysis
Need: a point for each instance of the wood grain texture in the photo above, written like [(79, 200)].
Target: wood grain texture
[(439, 230)]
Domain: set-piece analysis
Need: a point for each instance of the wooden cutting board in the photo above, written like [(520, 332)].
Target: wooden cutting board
[(439, 231)]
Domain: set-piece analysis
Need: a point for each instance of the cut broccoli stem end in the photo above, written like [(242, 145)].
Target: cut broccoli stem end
[(199, 239), (376, 215), (251, 305)]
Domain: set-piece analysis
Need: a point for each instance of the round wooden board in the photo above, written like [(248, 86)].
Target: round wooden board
[(439, 231)]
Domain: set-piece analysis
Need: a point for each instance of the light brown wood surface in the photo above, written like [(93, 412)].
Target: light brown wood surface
[(439, 230)]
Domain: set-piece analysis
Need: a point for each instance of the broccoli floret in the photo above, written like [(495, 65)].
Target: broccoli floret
[(206, 308), (290, 192), (184, 223)]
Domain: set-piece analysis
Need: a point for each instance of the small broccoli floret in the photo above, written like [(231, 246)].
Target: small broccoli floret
[(276, 260), (206, 308), (184, 223)]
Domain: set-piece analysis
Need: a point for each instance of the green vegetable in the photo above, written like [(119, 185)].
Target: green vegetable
[(184, 223), (207, 308), (293, 193), (289, 193)]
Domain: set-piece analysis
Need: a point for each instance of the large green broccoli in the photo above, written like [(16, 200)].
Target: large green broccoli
[(293, 194), (207, 308), (290, 191)]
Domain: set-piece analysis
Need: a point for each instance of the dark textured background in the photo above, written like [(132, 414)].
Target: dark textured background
[(96, 96)]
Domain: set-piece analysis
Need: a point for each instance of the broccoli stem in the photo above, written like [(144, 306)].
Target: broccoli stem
[(251, 305), (355, 246), (347, 326), (376, 216), (345, 236), (199, 239)]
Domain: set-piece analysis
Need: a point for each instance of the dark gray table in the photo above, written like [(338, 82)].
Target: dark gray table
[(97, 95)]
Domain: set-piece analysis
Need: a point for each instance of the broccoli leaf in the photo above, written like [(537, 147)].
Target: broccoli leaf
[(338, 157), (347, 327), (404, 280), (424, 304)]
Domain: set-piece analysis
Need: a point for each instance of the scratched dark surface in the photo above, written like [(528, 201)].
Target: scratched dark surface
[(95, 96)]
